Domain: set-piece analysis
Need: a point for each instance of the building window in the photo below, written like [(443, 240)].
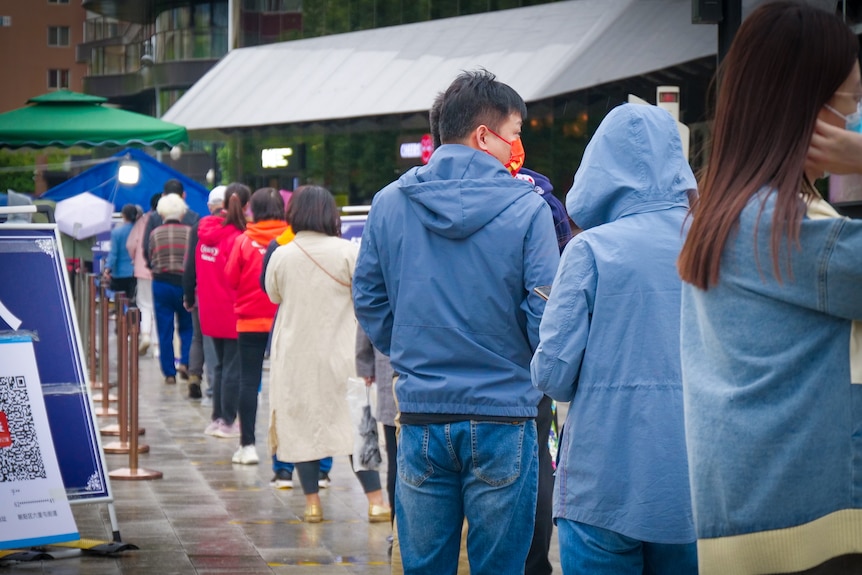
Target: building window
[(58, 35), (58, 79)]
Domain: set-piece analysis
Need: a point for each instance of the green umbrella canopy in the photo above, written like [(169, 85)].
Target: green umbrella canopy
[(65, 119)]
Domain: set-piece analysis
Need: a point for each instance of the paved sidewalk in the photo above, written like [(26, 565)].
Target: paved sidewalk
[(209, 516)]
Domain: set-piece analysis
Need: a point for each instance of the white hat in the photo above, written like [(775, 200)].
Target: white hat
[(217, 195)]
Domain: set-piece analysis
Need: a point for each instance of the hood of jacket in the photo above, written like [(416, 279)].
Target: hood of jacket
[(460, 190), (211, 230), (265, 231), (633, 164)]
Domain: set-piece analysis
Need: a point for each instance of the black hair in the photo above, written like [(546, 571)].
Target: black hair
[(476, 98), (313, 208), (154, 201), (267, 204), (173, 186), (130, 212), (236, 196), (434, 119)]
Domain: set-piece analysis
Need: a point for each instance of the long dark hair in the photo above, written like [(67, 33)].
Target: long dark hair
[(312, 208), (785, 63), (236, 196)]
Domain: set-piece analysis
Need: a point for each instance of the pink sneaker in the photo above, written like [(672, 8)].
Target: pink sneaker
[(227, 431), (214, 424)]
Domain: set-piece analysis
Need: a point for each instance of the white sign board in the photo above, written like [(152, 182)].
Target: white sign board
[(34, 509)]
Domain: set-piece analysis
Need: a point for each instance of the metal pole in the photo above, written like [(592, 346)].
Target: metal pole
[(91, 332), (123, 353), (731, 19), (106, 409), (133, 472)]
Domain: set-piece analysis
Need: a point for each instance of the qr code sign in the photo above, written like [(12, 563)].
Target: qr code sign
[(20, 456)]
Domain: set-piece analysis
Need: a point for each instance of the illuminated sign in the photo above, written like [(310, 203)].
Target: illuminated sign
[(275, 157), (411, 150)]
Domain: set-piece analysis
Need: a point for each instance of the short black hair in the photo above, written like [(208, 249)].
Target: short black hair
[(313, 209), (173, 186), (473, 99), (130, 212), (434, 119), (267, 204), (154, 201)]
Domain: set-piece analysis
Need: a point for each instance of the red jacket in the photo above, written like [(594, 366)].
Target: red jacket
[(215, 297), (253, 309)]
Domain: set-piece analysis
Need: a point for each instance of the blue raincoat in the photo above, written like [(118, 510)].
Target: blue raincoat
[(609, 338), (444, 284)]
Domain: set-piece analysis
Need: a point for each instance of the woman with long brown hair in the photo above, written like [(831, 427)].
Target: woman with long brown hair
[(768, 346)]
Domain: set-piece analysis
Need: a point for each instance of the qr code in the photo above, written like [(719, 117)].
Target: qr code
[(20, 456)]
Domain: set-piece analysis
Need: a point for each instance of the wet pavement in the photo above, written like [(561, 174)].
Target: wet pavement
[(209, 516)]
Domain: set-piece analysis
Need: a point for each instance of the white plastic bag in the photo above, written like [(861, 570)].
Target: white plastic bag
[(366, 440)]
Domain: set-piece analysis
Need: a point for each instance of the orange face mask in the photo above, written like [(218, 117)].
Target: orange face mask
[(516, 154)]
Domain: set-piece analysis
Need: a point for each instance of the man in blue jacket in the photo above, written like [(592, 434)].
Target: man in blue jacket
[(444, 284)]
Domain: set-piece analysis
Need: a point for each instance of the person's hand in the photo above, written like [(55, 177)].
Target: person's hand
[(835, 150), (369, 380), (188, 306)]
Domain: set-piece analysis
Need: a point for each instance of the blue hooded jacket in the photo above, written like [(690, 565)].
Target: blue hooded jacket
[(609, 339), (450, 255)]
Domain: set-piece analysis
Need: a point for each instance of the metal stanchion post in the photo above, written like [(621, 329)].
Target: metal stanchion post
[(122, 446), (133, 472), (121, 427), (91, 333), (105, 409)]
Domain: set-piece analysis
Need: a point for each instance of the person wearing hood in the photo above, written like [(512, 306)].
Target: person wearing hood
[(206, 288), (443, 285), (609, 344), (254, 311)]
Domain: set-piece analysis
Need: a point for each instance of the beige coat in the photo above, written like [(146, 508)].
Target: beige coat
[(312, 352)]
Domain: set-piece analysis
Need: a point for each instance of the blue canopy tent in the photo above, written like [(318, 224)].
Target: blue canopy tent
[(103, 181)]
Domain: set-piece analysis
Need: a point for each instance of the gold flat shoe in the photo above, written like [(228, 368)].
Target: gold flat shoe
[(379, 514), (313, 514)]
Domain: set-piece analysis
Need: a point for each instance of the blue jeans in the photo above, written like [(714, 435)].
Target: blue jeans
[(168, 302), (325, 465), (589, 550), (484, 471)]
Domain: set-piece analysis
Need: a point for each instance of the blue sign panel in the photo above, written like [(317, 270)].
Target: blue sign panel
[(35, 299)]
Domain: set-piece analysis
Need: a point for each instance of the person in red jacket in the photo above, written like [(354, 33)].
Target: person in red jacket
[(205, 285), (254, 310)]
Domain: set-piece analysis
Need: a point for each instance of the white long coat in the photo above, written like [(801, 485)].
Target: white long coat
[(312, 352)]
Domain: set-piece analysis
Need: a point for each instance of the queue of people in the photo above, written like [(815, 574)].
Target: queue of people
[(705, 333)]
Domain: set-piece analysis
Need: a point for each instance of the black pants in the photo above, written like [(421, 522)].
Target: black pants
[(391, 464), (309, 472), (537, 559), (226, 380), (252, 346)]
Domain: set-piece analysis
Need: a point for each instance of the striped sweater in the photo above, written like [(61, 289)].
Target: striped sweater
[(167, 252)]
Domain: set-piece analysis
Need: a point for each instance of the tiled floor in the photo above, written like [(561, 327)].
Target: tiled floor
[(209, 516)]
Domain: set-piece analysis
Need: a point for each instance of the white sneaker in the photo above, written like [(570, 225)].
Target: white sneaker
[(214, 424), (226, 431), (245, 455)]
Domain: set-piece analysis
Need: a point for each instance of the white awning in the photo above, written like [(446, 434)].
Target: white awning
[(541, 51)]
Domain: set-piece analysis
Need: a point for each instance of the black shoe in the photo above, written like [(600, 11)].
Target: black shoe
[(183, 371), (283, 479), (194, 391)]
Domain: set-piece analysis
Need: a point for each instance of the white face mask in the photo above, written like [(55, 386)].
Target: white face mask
[(852, 122)]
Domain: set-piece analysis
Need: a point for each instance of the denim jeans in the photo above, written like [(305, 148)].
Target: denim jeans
[(325, 465), (484, 471), (589, 550), (225, 380), (168, 302)]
